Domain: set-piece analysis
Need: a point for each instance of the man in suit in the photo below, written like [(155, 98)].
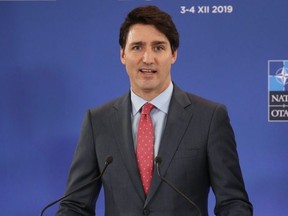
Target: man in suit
[(192, 135)]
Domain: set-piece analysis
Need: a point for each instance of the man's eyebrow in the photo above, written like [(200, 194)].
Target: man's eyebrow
[(159, 43), (136, 43), (140, 43)]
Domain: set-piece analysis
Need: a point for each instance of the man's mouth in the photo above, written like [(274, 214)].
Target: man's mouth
[(147, 71)]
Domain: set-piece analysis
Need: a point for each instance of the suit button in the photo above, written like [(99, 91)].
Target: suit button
[(146, 212)]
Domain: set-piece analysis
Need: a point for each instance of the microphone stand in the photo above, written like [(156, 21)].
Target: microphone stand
[(107, 162), (158, 161)]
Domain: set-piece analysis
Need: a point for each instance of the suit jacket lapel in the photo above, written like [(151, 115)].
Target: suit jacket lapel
[(177, 121), (121, 125)]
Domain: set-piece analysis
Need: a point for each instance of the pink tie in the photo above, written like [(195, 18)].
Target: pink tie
[(145, 149)]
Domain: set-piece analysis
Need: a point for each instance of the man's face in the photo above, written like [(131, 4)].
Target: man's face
[(148, 58)]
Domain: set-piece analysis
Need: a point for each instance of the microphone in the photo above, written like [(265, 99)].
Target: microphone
[(158, 161), (108, 161)]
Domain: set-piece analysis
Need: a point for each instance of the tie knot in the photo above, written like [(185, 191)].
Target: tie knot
[(146, 108)]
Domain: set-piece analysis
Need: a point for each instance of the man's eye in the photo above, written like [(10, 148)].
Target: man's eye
[(136, 48), (158, 48)]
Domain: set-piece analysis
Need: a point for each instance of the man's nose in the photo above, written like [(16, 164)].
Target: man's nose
[(148, 57)]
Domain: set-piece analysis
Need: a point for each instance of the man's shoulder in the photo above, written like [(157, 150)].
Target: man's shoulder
[(202, 108), (194, 100), (111, 105)]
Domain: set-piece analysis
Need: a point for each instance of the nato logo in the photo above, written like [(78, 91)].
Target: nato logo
[(278, 90)]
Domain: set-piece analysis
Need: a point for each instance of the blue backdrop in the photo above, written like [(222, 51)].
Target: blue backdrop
[(59, 58)]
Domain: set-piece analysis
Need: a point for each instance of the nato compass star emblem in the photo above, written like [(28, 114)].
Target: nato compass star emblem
[(278, 90), (282, 76)]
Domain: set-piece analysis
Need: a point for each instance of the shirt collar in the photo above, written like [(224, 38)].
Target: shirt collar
[(161, 102)]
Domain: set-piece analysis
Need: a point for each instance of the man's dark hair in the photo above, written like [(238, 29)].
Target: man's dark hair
[(150, 15)]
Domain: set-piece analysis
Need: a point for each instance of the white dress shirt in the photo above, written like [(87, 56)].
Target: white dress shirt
[(158, 114)]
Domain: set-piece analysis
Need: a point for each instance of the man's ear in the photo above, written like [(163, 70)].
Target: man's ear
[(122, 56), (174, 56)]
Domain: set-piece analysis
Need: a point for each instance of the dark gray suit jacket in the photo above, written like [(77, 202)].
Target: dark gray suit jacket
[(197, 148)]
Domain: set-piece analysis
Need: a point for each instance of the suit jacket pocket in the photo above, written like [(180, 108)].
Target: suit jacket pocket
[(186, 153)]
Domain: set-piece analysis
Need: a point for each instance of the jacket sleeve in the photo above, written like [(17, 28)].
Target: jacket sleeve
[(225, 173), (84, 168)]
